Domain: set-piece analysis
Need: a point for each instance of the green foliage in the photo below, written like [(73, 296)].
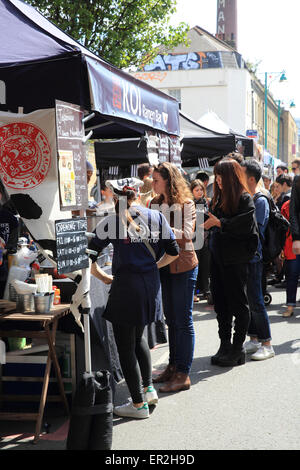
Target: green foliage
[(253, 66), (124, 32)]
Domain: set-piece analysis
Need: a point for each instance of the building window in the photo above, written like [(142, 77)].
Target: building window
[(175, 93)]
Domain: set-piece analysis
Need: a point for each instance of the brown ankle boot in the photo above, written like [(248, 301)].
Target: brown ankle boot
[(166, 375), (179, 382)]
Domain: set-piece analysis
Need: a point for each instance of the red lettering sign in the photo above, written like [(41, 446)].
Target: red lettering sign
[(117, 94)]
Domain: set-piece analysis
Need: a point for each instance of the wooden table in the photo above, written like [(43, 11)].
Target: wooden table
[(47, 329)]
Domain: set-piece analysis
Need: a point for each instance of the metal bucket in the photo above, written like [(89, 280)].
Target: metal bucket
[(43, 303), (25, 303), (12, 293)]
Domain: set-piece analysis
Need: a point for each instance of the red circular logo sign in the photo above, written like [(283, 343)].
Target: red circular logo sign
[(25, 155)]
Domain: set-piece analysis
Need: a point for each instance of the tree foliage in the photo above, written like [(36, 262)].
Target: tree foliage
[(124, 32), (253, 66)]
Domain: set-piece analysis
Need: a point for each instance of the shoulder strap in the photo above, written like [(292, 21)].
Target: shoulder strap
[(258, 195), (147, 244)]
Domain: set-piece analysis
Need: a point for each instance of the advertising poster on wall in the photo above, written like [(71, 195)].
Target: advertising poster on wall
[(67, 178), (71, 156)]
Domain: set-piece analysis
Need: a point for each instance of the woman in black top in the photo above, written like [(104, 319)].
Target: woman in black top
[(233, 243), (202, 285)]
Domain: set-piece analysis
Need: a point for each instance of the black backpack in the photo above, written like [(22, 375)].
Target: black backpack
[(275, 233)]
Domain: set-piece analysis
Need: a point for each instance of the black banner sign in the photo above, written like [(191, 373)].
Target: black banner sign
[(175, 152), (163, 148)]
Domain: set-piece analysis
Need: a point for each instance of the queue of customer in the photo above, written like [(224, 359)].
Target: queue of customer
[(169, 274)]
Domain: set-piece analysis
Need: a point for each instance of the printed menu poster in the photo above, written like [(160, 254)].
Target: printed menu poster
[(67, 178), (72, 156)]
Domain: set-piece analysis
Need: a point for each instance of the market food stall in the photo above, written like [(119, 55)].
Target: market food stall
[(199, 142), (55, 95)]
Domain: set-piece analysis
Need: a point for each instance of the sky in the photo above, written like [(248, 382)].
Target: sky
[(267, 33)]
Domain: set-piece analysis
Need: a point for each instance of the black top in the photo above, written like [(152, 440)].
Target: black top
[(284, 197), (237, 240), (8, 229), (295, 209)]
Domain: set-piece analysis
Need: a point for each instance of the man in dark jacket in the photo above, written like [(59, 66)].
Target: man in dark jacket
[(295, 215), (284, 183), (259, 328)]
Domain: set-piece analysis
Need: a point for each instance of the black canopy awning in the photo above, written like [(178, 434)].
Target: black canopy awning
[(122, 153), (39, 64), (200, 142)]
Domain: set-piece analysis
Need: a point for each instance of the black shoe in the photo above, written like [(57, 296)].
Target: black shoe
[(236, 357), (224, 350), (210, 299), (280, 285)]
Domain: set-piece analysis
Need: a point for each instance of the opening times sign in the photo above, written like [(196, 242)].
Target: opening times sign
[(71, 245), (71, 156)]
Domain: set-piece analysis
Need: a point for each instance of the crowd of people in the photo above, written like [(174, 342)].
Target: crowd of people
[(166, 276), (160, 270)]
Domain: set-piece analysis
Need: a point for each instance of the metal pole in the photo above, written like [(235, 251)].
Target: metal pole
[(266, 110), (278, 131), (87, 343)]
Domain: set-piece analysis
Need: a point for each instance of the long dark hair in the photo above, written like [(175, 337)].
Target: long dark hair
[(234, 183)]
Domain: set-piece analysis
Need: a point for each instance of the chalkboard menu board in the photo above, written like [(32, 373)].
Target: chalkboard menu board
[(71, 244), (71, 156)]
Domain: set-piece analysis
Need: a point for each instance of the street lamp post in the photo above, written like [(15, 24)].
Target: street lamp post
[(278, 132), (266, 110), (281, 79), (291, 105)]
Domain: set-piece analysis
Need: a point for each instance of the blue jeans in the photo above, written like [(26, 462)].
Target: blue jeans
[(259, 321), (292, 275), (177, 294)]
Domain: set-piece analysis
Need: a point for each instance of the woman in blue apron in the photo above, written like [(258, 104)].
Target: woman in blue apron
[(143, 243)]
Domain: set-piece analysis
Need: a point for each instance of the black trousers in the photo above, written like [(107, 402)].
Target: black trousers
[(135, 359), (228, 288), (203, 256)]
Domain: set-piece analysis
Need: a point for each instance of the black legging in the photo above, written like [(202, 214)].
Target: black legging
[(228, 287), (135, 359), (203, 256)]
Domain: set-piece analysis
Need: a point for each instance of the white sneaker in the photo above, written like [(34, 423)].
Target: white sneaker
[(264, 352), (251, 346), (129, 411), (151, 395)]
